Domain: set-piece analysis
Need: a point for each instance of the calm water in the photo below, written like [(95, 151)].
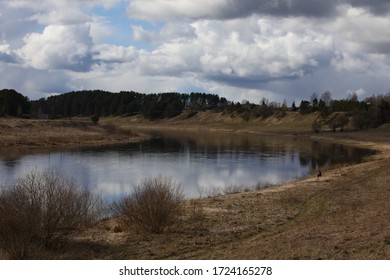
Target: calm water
[(203, 163)]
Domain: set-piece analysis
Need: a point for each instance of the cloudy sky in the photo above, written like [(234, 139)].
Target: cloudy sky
[(240, 49)]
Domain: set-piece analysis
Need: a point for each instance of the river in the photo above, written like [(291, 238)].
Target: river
[(204, 163)]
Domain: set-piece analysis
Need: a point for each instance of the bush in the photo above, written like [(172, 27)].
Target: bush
[(40, 212), (154, 205)]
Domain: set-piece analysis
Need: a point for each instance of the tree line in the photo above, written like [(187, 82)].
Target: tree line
[(371, 112), (13, 103), (124, 103)]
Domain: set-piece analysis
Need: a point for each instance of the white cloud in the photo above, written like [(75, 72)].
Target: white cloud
[(359, 92), (58, 47), (5, 53), (170, 59), (107, 4), (361, 41), (4, 48), (141, 34), (65, 15), (350, 63), (32, 82), (359, 31), (265, 54), (100, 29), (227, 52), (175, 31), (114, 54)]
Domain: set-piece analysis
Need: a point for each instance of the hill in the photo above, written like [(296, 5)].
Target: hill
[(291, 122)]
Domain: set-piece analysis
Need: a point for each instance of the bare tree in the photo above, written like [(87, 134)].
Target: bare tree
[(327, 98)]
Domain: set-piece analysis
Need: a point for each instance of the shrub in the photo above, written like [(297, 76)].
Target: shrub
[(154, 205), (40, 211)]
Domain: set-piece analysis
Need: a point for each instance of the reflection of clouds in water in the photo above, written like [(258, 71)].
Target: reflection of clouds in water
[(114, 172)]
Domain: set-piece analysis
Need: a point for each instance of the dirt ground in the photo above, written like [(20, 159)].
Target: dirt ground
[(344, 214)]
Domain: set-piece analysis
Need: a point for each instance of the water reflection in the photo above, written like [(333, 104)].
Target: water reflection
[(198, 161)]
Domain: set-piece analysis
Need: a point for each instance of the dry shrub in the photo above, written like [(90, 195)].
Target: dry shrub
[(154, 205), (40, 211)]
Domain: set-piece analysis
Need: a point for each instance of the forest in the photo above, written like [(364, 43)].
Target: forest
[(371, 112)]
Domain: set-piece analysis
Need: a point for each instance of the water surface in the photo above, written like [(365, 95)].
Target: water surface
[(202, 163)]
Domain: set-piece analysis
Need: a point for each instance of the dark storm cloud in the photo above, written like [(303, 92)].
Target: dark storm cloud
[(312, 8), (231, 9), (248, 82), (379, 7), (306, 8)]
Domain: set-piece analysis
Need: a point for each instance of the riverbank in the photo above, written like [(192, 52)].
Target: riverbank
[(342, 215), (25, 134)]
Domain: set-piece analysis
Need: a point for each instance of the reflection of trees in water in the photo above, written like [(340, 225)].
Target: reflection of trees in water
[(234, 147), (314, 154), (325, 154), (311, 153)]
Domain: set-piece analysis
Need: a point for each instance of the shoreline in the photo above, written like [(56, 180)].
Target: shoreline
[(342, 215), (27, 135)]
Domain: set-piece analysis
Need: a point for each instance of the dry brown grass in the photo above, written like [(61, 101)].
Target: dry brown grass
[(293, 122), (41, 134)]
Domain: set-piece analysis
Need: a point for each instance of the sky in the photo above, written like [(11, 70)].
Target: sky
[(239, 49)]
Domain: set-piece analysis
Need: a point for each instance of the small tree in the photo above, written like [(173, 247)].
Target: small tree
[(293, 106), (40, 212), (154, 205), (304, 107)]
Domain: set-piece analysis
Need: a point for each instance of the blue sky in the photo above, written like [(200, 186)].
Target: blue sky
[(240, 49), (116, 17)]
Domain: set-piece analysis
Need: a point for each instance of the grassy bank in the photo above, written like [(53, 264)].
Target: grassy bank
[(45, 134), (342, 215), (292, 122)]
